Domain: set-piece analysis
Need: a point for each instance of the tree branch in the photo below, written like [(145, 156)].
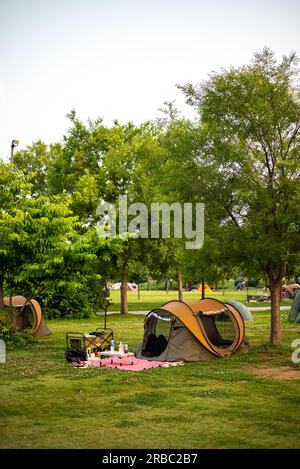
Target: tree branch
[(282, 270), (294, 134)]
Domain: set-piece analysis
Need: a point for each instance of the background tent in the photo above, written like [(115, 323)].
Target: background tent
[(28, 315), (191, 331), (247, 316), (206, 288), (130, 286), (294, 315), (289, 291)]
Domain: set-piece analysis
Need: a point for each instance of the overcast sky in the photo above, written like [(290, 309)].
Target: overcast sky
[(122, 58)]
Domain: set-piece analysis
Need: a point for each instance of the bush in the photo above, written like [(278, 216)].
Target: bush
[(159, 286), (67, 302), (252, 282), (12, 339)]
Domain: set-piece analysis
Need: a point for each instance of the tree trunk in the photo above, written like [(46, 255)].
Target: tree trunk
[(275, 291), (124, 302), (266, 283), (167, 285), (1, 291), (203, 286), (10, 297), (223, 285), (148, 283), (180, 293)]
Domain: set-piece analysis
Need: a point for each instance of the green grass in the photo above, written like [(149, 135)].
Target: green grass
[(153, 299), (220, 403)]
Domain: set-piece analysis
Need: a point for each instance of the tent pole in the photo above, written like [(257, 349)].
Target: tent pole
[(105, 311), (203, 286)]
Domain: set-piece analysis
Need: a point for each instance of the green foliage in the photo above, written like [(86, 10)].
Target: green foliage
[(11, 339), (241, 159), (41, 252), (34, 161), (249, 138), (73, 299), (252, 282), (250, 158)]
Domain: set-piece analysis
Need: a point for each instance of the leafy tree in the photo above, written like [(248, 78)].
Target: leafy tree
[(33, 161), (173, 176), (41, 253), (80, 288), (101, 163), (250, 159)]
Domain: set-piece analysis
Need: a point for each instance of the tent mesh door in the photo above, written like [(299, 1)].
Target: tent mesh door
[(158, 340), (225, 328), (28, 319), (163, 328), (219, 329), (24, 320)]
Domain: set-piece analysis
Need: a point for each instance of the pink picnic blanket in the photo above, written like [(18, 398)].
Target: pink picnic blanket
[(129, 363)]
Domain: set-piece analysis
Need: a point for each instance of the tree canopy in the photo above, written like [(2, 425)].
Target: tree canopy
[(240, 158), (250, 163)]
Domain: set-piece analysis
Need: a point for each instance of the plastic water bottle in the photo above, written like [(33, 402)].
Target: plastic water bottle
[(125, 348), (112, 345), (121, 347)]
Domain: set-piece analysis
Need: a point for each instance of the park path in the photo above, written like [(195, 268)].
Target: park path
[(251, 308), (266, 308)]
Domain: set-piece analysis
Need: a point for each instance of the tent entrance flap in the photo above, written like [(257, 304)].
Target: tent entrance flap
[(26, 319), (218, 328), (159, 324), (26, 315)]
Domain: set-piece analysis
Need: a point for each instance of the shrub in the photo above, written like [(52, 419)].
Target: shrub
[(65, 301), (12, 339), (253, 282)]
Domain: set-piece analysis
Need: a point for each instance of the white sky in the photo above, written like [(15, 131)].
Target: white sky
[(122, 58)]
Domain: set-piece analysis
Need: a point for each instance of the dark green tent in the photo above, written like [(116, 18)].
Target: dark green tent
[(294, 315)]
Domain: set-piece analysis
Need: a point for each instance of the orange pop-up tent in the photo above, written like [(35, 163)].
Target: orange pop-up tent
[(207, 288), (191, 331)]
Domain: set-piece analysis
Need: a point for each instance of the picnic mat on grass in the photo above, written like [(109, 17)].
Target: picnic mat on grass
[(126, 364)]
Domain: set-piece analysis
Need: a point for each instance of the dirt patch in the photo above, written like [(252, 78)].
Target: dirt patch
[(279, 372)]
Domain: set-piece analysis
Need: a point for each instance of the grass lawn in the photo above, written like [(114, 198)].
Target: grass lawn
[(152, 299), (220, 403)]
